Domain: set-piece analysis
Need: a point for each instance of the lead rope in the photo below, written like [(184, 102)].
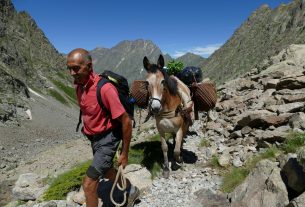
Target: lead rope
[(122, 188)]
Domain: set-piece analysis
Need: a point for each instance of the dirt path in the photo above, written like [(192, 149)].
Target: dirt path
[(44, 145)]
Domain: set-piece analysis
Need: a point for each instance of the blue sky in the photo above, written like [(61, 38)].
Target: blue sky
[(176, 26)]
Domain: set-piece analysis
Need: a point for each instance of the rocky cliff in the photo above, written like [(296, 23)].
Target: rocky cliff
[(262, 35), (27, 60)]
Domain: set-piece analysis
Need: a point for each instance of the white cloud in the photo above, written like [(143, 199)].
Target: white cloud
[(203, 51)]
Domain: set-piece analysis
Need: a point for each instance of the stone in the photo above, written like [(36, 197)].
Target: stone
[(139, 176), (237, 162), (29, 186), (78, 197), (297, 120), (246, 130), (298, 201), (293, 175), (262, 188), (271, 83), (208, 198), (224, 160)]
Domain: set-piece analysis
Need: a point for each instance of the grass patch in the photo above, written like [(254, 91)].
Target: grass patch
[(58, 96), (293, 142), (232, 179), (235, 176), (148, 154), (66, 89), (204, 142), (215, 162), (155, 137), (62, 75), (66, 182)]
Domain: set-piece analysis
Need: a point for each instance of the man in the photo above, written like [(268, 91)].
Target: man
[(105, 129)]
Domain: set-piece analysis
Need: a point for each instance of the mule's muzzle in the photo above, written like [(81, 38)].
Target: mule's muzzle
[(155, 105), (155, 110)]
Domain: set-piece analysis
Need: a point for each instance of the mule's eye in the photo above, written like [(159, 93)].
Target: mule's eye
[(163, 82)]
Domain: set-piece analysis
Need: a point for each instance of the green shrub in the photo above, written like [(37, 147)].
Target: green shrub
[(66, 182), (293, 142), (174, 67), (235, 176)]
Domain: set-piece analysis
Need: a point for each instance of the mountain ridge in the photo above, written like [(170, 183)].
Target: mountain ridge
[(263, 34)]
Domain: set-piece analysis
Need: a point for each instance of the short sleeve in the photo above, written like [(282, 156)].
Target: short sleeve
[(110, 98)]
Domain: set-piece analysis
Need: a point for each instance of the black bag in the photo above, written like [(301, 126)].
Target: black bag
[(121, 85), (190, 75)]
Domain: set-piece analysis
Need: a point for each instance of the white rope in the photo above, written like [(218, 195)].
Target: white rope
[(120, 173)]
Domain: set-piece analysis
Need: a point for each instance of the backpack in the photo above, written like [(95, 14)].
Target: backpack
[(121, 84), (190, 75)]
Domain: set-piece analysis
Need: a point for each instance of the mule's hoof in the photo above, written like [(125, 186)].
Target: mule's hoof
[(176, 166), (166, 174)]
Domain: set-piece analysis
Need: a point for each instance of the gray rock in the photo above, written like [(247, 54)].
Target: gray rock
[(297, 120), (237, 162), (298, 202), (262, 188), (29, 187), (139, 176), (224, 160), (208, 198), (293, 175)]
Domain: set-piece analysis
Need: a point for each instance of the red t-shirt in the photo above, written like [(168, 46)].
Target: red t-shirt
[(95, 119)]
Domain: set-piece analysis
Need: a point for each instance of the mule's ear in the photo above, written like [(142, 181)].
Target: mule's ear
[(146, 63), (160, 62)]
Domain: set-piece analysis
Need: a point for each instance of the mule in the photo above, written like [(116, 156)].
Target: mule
[(165, 101)]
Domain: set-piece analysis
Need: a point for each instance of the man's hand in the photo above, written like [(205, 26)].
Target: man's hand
[(123, 160)]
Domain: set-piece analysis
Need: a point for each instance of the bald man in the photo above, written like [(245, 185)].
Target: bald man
[(105, 129)]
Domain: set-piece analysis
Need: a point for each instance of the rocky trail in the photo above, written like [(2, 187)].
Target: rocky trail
[(184, 186), (254, 113)]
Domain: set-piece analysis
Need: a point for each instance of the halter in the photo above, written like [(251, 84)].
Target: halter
[(151, 99)]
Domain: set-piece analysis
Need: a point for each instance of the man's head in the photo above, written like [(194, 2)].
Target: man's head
[(79, 63)]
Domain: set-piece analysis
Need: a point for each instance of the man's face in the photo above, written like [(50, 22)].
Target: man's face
[(79, 69)]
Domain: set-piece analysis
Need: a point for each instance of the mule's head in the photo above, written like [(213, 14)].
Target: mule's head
[(155, 79)]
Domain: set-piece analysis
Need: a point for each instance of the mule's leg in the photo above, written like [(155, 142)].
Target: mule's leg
[(164, 150), (177, 158)]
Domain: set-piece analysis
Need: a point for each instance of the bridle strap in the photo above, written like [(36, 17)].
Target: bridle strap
[(151, 99)]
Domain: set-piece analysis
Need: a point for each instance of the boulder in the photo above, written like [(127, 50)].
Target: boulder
[(29, 186), (139, 176), (262, 188), (291, 83), (293, 175), (298, 201), (297, 120)]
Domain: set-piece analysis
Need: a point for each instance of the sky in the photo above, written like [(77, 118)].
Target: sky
[(175, 26)]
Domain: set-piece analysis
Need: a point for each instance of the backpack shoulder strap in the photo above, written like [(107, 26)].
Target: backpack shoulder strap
[(100, 84)]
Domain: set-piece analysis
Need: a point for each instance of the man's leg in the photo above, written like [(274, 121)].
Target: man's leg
[(90, 189)]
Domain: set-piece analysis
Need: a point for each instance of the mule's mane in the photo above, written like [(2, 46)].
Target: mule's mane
[(170, 83)]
